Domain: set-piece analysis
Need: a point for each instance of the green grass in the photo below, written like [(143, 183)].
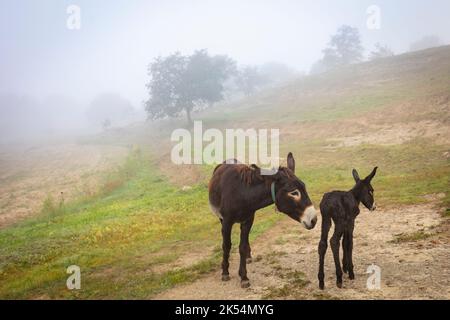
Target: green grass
[(124, 238), (134, 236), (294, 288), (402, 177), (411, 237)]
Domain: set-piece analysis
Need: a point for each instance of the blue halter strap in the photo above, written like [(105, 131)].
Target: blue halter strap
[(272, 191)]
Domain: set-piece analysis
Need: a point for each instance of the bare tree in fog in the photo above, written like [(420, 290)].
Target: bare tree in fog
[(425, 43), (344, 48), (381, 51), (183, 83)]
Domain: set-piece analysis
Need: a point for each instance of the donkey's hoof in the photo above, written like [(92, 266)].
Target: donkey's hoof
[(225, 277), (321, 285), (249, 260), (339, 284), (351, 276), (245, 284), (344, 269)]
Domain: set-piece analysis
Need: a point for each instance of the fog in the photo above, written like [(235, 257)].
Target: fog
[(51, 74)]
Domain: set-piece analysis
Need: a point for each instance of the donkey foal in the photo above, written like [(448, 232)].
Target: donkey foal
[(343, 207)]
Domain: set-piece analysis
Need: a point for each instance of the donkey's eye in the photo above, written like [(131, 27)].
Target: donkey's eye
[(295, 194)]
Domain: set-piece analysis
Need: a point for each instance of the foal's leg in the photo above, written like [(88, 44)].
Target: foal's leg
[(326, 224), (345, 240), (351, 275), (226, 247), (244, 248), (335, 243)]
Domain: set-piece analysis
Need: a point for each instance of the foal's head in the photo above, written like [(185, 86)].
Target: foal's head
[(364, 189), (291, 197)]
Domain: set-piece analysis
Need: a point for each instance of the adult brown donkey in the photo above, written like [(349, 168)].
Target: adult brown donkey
[(236, 191)]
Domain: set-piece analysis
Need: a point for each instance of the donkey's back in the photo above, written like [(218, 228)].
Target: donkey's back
[(337, 204)]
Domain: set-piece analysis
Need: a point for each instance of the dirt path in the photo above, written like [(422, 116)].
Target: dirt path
[(410, 244)]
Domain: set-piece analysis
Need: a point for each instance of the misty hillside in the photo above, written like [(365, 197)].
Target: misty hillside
[(387, 101), (355, 89), (108, 197)]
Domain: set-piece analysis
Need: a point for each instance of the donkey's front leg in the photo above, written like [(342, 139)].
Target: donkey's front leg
[(351, 275), (244, 249), (226, 247), (345, 252)]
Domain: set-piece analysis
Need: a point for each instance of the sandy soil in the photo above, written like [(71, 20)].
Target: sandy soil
[(418, 269)]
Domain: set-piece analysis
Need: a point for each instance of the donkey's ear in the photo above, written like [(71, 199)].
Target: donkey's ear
[(291, 162), (355, 175), (372, 174)]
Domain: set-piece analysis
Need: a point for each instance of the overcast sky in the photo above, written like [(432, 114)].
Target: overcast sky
[(40, 56)]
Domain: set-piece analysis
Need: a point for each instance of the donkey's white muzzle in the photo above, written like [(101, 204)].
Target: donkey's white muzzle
[(309, 218)]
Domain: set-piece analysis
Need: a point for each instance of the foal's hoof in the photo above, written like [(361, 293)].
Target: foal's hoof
[(351, 276), (339, 284), (321, 285), (245, 284), (225, 277), (344, 269), (249, 260)]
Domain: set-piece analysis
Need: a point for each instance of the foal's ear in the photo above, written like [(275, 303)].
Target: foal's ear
[(355, 175), (372, 174), (291, 162)]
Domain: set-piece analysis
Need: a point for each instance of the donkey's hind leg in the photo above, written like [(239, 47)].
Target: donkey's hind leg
[(326, 224), (244, 248), (226, 247), (335, 244)]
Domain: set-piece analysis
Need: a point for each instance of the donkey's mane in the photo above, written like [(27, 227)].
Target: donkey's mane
[(252, 173), (249, 174)]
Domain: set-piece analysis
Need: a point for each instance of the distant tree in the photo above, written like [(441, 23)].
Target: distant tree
[(380, 52), (425, 43), (106, 124), (184, 83), (205, 77), (249, 79), (167, 95), (344, 48), (110, 106)]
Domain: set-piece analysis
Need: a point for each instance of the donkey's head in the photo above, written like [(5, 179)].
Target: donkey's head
[(364, 189), (290, 196)]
